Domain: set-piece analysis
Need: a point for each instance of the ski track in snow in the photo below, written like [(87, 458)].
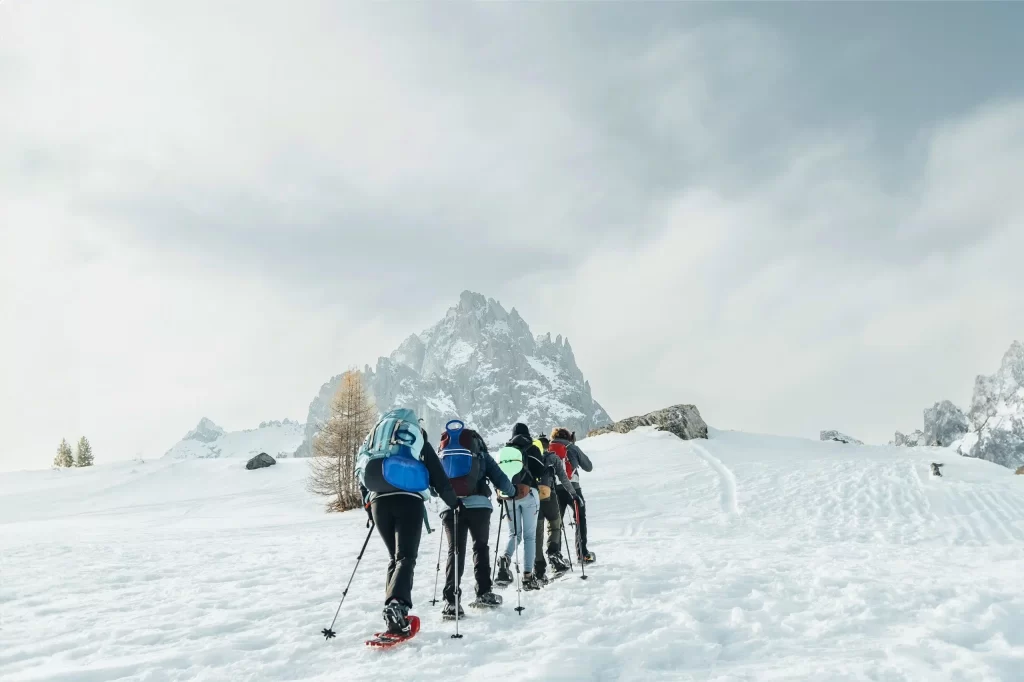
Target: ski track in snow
[(847, 563), (726, 479)]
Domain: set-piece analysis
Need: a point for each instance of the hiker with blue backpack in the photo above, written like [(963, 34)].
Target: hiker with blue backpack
[(523, 462), (470, 467), (396, 468)]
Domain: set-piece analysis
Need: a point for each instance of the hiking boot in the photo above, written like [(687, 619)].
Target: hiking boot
[(530, 582), (396, 618), (558, 563), (448, 612), (589, 558), (487, 599), (541, 577), (504, 577)]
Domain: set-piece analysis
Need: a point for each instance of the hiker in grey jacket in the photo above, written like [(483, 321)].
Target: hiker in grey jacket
[(554, 473), (563, 444)]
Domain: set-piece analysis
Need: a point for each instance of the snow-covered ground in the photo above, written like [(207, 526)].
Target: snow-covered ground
[(738, 558)]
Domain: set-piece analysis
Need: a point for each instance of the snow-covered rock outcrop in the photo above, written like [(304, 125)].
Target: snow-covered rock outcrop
[(682, 420), (482, 364), (997, 413), (944, 424), (839, 437), (277, 438), (910, 440)]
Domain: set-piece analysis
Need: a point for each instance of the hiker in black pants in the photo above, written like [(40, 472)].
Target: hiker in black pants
[(563, 444), (474, 520), (399, 518)]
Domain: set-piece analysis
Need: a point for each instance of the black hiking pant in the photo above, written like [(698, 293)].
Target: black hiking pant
[(477, 523), (399, 520), (548, 512), (581, 526)]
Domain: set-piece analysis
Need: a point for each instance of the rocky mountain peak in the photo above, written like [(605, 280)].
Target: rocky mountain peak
[(483, 364), (205, 432)]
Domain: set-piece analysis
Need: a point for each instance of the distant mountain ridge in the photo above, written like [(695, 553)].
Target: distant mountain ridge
[(207, 440), (482, 364)]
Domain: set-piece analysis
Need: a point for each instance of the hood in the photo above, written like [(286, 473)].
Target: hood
[(521, 429)]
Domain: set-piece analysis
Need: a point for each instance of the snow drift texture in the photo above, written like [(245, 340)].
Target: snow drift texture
[(740, 558), (483, 365), (997, 413), (276, 438), (682, 420)]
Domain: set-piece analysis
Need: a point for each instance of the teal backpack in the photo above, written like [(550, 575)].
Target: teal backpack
[(390, 459)]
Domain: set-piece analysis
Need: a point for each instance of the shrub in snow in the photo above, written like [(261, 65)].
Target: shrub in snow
[(909, 440), (1020, 472), (682, 420)]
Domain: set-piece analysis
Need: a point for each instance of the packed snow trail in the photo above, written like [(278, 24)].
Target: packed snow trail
[(738, 558)]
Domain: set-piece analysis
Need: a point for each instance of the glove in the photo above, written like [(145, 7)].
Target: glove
[(369, 515), (579, 502), (459, 508)]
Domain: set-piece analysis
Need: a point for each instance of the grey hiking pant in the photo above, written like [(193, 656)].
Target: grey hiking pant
[(549, 513)]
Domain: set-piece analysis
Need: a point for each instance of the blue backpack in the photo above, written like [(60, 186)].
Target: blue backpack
[(390, 459), (462, 465)]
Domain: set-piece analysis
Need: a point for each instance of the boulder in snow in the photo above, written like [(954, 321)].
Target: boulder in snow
[(997, 413), (682, 420), (839, 437), (259, 461)]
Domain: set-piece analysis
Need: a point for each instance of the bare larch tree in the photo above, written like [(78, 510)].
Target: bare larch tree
[(332, 467)]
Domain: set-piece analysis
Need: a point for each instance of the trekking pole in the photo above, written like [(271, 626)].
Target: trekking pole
[(519, 582), (568, 554), (579, 541), (458, 583), (433, 602), (329, 632), (494, 570)]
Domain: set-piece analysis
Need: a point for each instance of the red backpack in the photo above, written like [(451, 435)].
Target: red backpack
[(563, 454)]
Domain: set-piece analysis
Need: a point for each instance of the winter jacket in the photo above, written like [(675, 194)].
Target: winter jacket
[(533, 460), (481, 499), (493, 473), (577, 458), (556, 468), (438, 479)]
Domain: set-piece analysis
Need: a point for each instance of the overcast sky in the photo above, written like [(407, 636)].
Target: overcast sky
[(795, 216)]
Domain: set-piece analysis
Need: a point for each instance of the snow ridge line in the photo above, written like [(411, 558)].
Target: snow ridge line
[(726, 478)]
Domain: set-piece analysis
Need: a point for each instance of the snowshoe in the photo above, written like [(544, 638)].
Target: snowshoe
[(558, 563), (396, 619), (448, 612), (487, 600), (504, 577), (530, 582), (386, 640), (589, 558)]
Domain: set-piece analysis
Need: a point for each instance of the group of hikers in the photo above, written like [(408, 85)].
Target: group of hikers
[(536, 479)]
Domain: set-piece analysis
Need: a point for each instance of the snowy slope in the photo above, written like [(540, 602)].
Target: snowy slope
[(737, 558), (276, 438)]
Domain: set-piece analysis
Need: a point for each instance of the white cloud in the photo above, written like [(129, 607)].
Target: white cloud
[(196, 200)]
